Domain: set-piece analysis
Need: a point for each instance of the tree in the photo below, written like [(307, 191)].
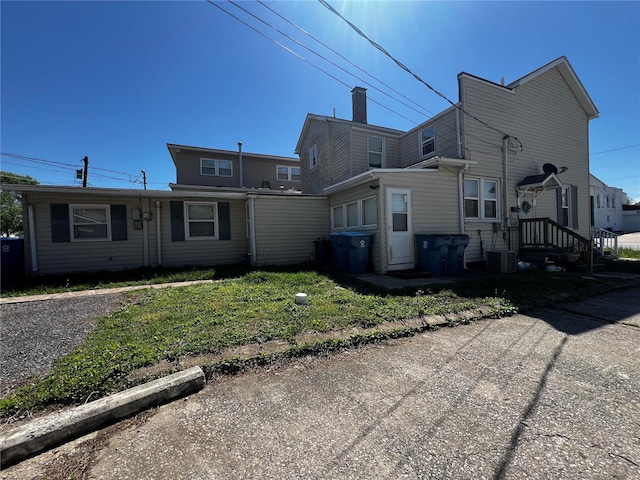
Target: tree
[(10, 205)]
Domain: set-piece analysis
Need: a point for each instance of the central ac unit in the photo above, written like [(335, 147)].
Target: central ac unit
[(501, 262)]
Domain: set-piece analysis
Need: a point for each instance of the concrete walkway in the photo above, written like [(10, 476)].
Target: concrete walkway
[(552, 394)]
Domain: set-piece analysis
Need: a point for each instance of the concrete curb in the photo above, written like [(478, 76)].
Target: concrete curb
[(47, 432)]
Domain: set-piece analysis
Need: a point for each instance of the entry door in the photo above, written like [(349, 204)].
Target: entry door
[(399, 231)]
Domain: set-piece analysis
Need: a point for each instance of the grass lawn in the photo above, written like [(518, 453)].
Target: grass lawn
[(167, 324), (628, 253)]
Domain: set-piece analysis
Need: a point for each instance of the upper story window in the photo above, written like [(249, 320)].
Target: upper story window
[(220, 168), (201, 220), (428, 141), (313, 157), (376, 151), (288, 173), (481, 199), (90, 222)]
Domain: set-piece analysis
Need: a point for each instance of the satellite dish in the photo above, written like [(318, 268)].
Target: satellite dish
[(549, 168)]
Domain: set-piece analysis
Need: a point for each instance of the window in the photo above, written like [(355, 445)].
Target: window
[(288, 173), (352, 215), (358, 214), (90, 222), (428, 141), (376, 151), (369, 211), (220, 168), (481, 199), (338, 217), (200, 220), (313, 157)]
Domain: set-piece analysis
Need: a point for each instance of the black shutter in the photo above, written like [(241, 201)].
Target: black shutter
[(118, 222), (60, 223), (177, 222), (224, 221)]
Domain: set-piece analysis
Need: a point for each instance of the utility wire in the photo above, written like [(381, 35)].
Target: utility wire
[(518, 145), (615, 149)]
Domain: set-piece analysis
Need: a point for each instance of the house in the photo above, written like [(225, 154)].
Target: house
[(607, 205), (507, 165), (481, 167)]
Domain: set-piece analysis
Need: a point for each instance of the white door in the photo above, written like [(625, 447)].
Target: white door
[(399, 231)]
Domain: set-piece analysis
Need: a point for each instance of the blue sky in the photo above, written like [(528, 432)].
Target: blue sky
[(118, 80)]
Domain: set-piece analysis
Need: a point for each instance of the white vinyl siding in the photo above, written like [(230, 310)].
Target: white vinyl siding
[(90, 223)]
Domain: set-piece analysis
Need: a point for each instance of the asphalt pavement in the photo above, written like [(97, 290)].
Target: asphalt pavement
[(552, 394)]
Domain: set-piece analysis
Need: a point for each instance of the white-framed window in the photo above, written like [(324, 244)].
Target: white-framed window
[(563, 211), (427, 141), (375, 146), (90, 223), (313, 157), (201, 220), (370, 212), (337, 214), (481, 199), (355, 215), (219, 168), (291, 174)]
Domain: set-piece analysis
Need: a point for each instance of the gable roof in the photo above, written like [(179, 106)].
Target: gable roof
[(569, 75)]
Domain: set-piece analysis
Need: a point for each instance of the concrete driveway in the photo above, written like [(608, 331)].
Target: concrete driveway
[(630, 240), (553, 394)]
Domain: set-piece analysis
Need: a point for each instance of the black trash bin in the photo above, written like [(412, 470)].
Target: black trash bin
[(322, 252), (12, 260), (358, 245), (433, 253), (455, 263), (339, 251)]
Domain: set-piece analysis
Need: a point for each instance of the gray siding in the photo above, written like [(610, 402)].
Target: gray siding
[(205, 252), (256, 170), (285, 228), (445, 139), (553, 128), (85, 256), (332, 140)]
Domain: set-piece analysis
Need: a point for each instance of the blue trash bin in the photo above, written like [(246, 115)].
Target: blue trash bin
[(339, 251), (12, 260), (358, 245), (455, 263), (433, 253)]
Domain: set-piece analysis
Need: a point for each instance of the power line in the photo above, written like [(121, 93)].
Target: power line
[(405, 68), (615, 149)]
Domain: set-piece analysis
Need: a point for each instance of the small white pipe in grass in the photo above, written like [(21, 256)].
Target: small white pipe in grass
[(301, 298)]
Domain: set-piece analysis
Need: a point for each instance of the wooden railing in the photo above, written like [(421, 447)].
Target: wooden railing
[(544, 232), (604, 239)]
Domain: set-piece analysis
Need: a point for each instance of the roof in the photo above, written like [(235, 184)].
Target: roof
[(175, 148), (569, 75)]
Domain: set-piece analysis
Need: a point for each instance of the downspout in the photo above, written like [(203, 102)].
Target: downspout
[(252, 223), (158, 233), (145, 233), (461, 195), (240, 159), (32, 239), (505, 141), (458, 139)]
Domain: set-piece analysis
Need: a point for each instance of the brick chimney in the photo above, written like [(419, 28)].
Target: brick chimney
[(359, 100)]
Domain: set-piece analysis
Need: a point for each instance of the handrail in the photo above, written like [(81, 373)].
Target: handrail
[(544, 232), (605, 239)]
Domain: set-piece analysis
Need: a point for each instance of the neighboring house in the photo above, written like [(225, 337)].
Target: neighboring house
[(631, 218), (495, 166), (607, 205)]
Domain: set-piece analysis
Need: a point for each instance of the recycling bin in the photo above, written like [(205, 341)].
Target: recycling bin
[(12, 260), (339, 251), (433, 253), (455, 262), (358, 247), (323, 252)]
